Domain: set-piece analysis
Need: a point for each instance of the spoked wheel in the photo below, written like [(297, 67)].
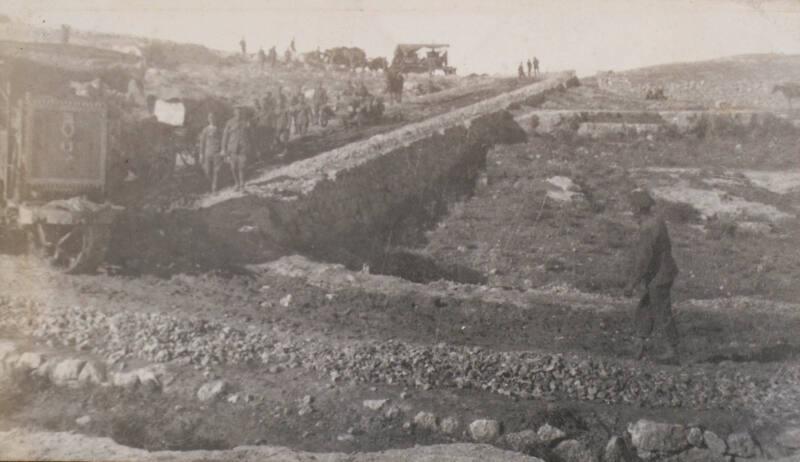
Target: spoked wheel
[(72, 249)]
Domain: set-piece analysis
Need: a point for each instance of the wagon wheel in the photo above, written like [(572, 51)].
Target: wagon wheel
[(81, 249)]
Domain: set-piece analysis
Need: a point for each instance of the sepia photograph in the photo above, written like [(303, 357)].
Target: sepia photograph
[(388, 231)]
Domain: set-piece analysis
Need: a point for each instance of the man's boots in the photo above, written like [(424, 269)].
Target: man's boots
[(640, 348), (669, 356)]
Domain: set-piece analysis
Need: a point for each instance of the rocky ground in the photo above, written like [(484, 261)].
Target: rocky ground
[(300, 355), (297, 360)]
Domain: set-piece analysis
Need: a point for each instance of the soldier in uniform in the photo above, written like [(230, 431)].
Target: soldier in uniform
[(210, 150), (236, 145), (266, 121), (319, 102), (654, 267), (283, 123)]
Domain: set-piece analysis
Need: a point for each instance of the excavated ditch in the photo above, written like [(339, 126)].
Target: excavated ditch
[(364, 224)]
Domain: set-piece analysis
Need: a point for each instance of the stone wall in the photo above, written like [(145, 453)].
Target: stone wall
[(598, 124)]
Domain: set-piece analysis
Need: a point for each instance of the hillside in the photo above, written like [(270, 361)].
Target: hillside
[(744, 81)]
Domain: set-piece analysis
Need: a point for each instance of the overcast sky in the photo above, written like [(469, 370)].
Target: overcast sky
[(585, 35)]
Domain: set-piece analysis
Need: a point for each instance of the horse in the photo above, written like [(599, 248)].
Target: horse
[(789, 90)]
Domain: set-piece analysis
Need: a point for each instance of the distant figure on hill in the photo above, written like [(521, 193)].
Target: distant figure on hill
[(273, 57), (243, 46), (65, 31), (535, 66), (529, 67), (262, 58), (520, 72), (655, 267)]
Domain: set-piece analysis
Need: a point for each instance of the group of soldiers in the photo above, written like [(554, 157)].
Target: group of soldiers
[(258, 131), (358, 107), (533, 68)]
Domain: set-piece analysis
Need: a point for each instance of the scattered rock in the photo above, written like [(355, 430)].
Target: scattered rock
[(426, 421), (126, 380), (695, 437), (83, 421), (305, 409), (652, 436), (276, 369), (617, 450), (30, 361), (484, 430), (6, 348), (523, 441), (741, 444), (549, 434), (67, 372), (10, 360), (714, 443), (46, 368), (211, 391), (375, 404), (754, 228), (345, 437), (697, 455), (790, 438), (391, 412), (450, 425), (93, 373), (234, 398), (573, 451), (148, 380), (286, 301)]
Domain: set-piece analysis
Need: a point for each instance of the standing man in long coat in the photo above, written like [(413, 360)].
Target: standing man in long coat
[(655, 268)]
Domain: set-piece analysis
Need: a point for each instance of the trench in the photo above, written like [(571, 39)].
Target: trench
[(374, 216), (364, 205)]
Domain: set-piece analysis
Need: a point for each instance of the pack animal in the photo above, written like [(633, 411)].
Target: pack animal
[(789, 90)]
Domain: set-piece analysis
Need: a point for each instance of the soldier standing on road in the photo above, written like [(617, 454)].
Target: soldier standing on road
[(266, 121), (655, 267), (520, 72), (210, 147), (273, 57), (283, 123), (262, 58), (236, 145), (535, 66), (320, 101), (529, 68), (243, 46), (281, 99)]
